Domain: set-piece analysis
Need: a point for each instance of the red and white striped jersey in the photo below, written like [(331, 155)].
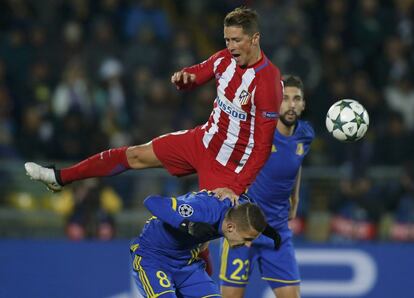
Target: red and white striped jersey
[(239, 131)]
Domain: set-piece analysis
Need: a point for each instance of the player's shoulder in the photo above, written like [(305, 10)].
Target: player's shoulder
[(267, 68), (199, 197), (269, 75), (190, 196), (305, 130), (273, 68), (224, 53)]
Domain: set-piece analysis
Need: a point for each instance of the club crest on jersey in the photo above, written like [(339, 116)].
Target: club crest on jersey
[(185, 210), (299, 149), (244, 97)]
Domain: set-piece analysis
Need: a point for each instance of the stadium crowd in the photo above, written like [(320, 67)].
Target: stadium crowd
[(80, 76)]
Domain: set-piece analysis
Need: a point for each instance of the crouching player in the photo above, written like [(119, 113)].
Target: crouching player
[(165, 255), (276, 191)]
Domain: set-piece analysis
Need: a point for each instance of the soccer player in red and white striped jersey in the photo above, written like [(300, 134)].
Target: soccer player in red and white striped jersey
[(230, 148)]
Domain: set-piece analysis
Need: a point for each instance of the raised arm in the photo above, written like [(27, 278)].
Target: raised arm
[(164, 208), (196, 75), (176, 211)]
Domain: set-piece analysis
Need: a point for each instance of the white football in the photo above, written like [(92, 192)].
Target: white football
[(347, 120)]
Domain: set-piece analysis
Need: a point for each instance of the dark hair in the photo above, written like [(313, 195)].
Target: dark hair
[(293, 81), (247, 216), (243, 17)]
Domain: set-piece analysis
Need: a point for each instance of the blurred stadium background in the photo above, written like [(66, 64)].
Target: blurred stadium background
[(81, 76)]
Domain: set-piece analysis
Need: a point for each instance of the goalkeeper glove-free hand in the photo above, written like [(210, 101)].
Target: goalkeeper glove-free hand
[(274, 235)]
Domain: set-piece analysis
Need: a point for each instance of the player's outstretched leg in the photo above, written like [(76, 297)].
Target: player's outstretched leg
[(43, 174), (107, 163)]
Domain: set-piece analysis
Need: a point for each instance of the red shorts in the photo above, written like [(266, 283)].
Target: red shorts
[(183, 153)]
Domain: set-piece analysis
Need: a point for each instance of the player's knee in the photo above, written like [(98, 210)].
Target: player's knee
[(231, 292), (287, 292), (142, 156)]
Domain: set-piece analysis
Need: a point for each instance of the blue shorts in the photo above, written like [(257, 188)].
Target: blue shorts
[(155, 279), (278, 267)]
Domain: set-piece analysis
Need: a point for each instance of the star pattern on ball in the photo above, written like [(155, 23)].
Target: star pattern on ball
[(358, 118), (347, 120), (352, 138), (337, 123), (343, 104)]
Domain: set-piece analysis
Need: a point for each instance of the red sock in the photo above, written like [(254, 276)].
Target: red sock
[(107, 163)]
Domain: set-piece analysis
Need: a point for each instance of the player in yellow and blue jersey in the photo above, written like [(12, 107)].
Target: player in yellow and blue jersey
[(276, 191), (165, 255)]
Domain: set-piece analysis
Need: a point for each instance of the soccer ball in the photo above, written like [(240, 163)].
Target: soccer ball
[(347, 120)]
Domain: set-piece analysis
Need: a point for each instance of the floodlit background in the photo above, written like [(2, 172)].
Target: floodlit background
[(81, 76)]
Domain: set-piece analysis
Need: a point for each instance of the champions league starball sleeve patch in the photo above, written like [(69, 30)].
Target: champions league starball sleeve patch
[(270, 115), (185, 210)]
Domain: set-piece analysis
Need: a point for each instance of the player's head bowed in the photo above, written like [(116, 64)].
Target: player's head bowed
[(243, 223)]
